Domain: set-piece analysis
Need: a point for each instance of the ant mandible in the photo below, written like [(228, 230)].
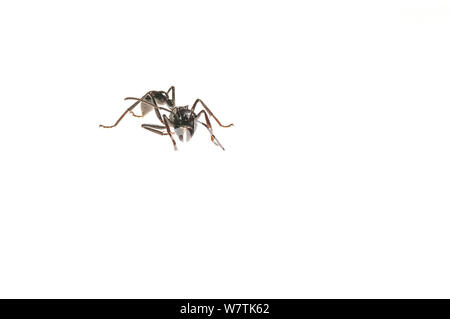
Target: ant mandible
[(182, 119)]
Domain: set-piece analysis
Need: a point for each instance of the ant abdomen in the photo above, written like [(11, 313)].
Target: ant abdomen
[(146, 107)]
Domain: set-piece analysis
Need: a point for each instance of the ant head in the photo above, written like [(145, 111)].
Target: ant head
[(184, 123), (162, 98)]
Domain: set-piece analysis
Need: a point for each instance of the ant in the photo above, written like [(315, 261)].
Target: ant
[(182, 119)]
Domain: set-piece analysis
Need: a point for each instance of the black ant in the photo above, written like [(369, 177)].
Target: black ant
[(181, 118)]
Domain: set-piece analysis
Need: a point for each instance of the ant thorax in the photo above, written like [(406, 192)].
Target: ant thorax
[(161, 98)]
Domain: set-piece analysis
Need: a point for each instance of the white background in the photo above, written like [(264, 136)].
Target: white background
[(335, 178)]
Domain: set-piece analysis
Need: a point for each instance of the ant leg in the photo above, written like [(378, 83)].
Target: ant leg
[(209, 127), (214, 141), (136, 115), (117, 122), (172, 88), (159, 127), (166, 122), (142, 100), (153, 128), (130, 109), (209, 112)]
